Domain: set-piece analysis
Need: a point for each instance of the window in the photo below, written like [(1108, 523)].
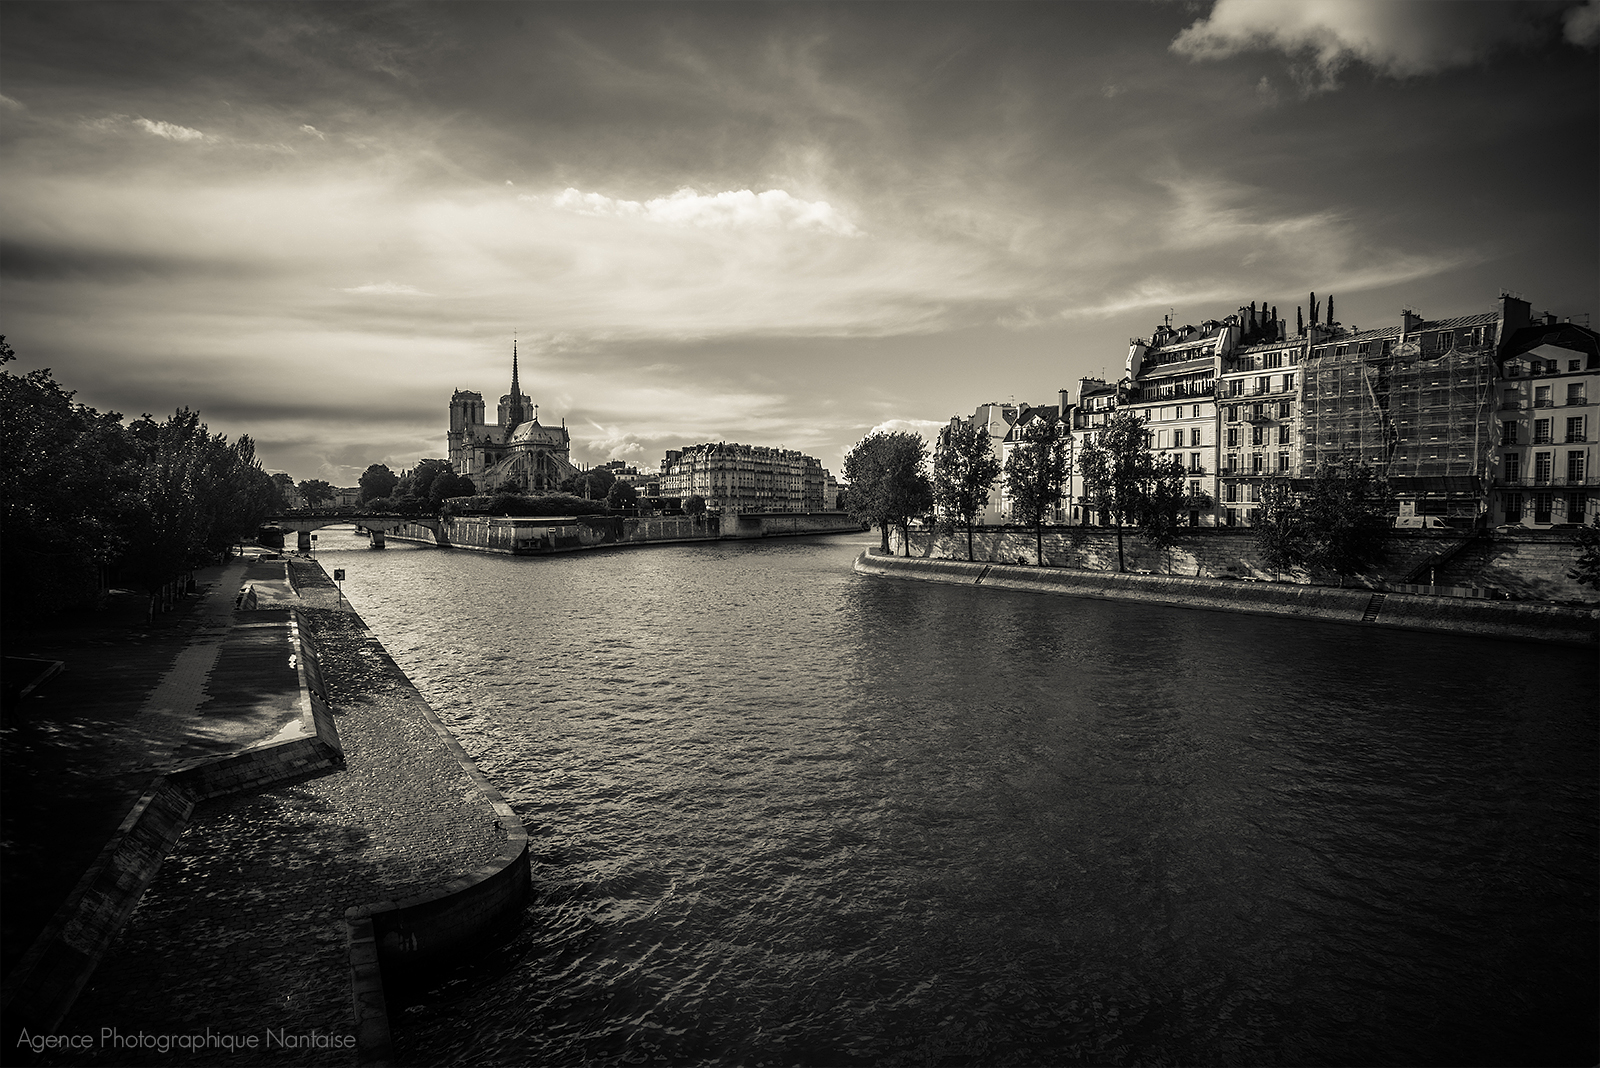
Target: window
[(1508, 433), (1231, 494), (1179, 410), (1542, 463), (1575, 467), (1283, 462), (1574, 365), (1233, 437), (1250, 516), (1510, 399), (1283, 433), (1577, 505), (1513, 370), (1233, 413), (1575, 391), (1252, 492), (1513, 466), (1513, 507), (1177, 438), (1194, 459), (1575, 429), (1258, 411), (1264, 384), (1233, 517), (1541, 431), (1283, 409), (1541, 397), (1194, 488), (1444, 341), (1236, 387), (1255, 463), (1541, 507), (1255, 435), (1233, 463)]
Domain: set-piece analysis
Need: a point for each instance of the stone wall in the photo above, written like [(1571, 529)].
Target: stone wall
[(1531, 565)]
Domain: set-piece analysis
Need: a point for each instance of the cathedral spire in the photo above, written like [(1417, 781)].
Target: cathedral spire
[(515, 415)]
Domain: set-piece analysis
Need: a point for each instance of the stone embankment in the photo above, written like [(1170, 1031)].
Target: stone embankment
[(283, 907), (1553, 623)]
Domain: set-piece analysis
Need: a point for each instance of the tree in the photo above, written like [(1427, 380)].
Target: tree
[(694, 505), (1036, 472), (888, 485), (964, 470), (1162, 501), (592, 484), (283, 488), (1114, 464), (622, 495), (1338, 523), (1586, 572), (315, 491), (377, 481)]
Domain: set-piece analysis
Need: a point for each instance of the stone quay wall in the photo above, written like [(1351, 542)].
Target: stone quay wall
[(1502, 619), (1529, 566), (533, 535)]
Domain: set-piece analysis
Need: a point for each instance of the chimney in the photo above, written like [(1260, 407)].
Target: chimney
[(1409, 321), (1515, 313)]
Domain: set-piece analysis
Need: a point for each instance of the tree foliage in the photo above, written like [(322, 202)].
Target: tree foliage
[(592, 485), (377, 481), (694, 505), (1586, 572), (315, 491), (888, 485), (84, 495), (964, 471), (622, 495), (1114, 463), (1036, 473), (1339, 523)]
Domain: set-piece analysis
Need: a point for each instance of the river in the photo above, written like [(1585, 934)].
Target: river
[(787, 814)]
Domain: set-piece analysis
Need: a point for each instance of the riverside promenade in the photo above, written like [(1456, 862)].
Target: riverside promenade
[(243, 929)]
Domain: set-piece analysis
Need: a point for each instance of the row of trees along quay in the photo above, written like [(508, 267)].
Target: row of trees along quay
[(88, 501), (1337, 521)]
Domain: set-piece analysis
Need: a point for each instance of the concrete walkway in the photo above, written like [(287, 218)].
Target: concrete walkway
[(242, 931)]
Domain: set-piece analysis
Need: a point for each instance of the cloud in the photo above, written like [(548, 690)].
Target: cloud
[(1398, 38), (313, 131), (387, 289), (732, 210), (14, 105), (170, 131), (928, 428), (1581, 24)]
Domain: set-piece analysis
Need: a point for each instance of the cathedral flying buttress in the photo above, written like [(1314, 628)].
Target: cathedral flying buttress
[(516, 453)]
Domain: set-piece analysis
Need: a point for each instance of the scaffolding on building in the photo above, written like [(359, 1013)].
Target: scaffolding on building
[(1419, 419)]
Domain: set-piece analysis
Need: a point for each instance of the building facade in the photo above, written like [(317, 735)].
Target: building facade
[(745, 478), (1547, 403)]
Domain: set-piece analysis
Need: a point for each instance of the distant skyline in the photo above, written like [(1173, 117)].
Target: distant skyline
[(777, 224)]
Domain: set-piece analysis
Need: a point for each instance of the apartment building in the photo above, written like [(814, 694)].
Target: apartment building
[(1097, 400), (1049, 416), (1548, 400), (1258, 417), (745, 478)]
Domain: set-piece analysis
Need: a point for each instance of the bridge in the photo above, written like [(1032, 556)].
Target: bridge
[(374, 524)]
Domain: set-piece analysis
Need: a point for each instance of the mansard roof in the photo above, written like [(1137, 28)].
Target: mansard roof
[(1570, 336)]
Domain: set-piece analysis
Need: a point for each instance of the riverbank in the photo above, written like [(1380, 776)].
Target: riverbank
[(1548, 623), (254, 922)]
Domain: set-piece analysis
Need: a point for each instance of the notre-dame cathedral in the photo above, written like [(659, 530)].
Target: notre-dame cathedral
[(517, 453)]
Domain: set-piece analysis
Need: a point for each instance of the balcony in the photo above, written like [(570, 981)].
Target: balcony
[(1264, 417), (1552, 481)]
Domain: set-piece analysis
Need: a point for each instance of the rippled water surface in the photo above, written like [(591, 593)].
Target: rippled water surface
[(787, 814)]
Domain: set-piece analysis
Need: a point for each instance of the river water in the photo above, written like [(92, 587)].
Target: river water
[(785, 814)]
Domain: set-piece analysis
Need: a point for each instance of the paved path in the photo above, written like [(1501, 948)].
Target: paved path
[(242, 931)]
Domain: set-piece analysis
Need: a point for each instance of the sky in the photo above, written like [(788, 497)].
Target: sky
[(783, 224)]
